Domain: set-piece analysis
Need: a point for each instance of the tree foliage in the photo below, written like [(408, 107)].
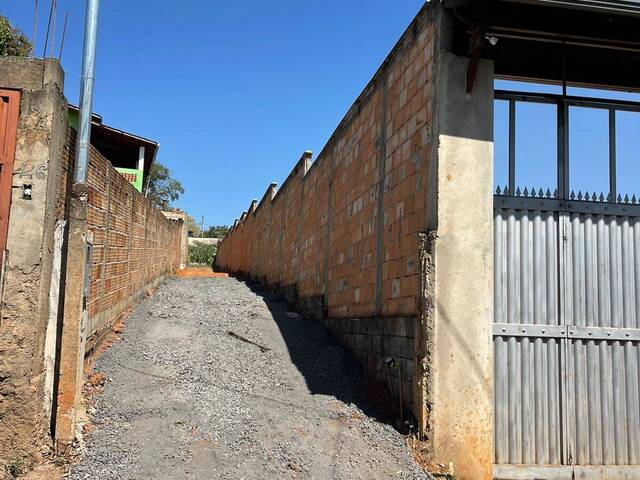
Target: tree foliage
[(192, 226), (163, 189), (12, 40), (216, 231), (201, 254)]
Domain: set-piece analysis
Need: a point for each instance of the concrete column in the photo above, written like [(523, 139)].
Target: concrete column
[(73, 338), (25, 389), (462, 354), (141, 158)]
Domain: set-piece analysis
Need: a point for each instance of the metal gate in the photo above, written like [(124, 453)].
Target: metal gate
[(566, 324)]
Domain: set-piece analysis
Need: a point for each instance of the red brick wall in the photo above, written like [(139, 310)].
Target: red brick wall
[(322, 233), (134, 244)]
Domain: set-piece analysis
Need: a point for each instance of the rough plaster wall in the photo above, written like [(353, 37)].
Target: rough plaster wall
[(25, 308), (462, 397)]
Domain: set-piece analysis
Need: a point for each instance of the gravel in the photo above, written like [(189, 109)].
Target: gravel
[(214, 380)]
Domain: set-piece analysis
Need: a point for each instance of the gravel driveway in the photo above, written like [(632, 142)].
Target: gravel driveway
[(211, 380)]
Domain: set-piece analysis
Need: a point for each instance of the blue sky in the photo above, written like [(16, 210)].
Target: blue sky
[(235, 91), (536, 142)]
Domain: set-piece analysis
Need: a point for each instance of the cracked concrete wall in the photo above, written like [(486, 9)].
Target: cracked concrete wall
[(24, 425)]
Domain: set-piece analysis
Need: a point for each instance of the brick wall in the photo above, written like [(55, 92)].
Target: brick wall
[(342, 233), (134, 245)]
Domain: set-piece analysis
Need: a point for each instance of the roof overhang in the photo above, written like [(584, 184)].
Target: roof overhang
[(617, 7), (588, 42), (119, 146)]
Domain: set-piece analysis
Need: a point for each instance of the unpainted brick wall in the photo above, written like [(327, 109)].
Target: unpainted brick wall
[(321, 231), (134, 244), (342, 233)]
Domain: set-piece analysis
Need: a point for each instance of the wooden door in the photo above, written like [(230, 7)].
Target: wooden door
[(9, 108)]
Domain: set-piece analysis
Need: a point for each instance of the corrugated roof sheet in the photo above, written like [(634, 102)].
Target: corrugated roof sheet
[(619, 7)]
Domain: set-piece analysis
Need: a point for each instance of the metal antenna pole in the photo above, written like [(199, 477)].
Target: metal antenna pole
[(53, 27), (64, 34), (86, 90), (35, 28), (46, 40)]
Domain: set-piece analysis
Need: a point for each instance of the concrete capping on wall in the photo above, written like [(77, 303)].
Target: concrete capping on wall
[(301, 168), (30, 74), (267, 197)]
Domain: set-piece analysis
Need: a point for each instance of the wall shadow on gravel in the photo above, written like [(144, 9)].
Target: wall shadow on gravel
[(328, 368)]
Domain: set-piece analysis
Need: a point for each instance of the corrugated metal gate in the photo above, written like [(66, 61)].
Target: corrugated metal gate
[(566, 332)]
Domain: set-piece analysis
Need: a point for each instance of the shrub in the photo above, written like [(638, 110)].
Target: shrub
[(202, 254)]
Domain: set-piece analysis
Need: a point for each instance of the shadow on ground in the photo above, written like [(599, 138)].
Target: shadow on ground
[(327, 367)]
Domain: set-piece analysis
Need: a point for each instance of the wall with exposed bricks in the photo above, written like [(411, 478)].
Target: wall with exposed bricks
[(341, 233), (134, 245)]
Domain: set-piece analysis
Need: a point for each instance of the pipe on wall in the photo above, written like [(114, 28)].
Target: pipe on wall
[(86, 91)]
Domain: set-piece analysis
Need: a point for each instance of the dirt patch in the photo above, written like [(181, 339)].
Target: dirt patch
[(197, 272)]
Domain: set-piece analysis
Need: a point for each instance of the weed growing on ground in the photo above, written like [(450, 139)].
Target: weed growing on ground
[(15, 468)]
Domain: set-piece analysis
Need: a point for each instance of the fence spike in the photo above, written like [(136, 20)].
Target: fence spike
[(634, 199), (594, 197), (506, 191), (601, 197), (498, 192), (626, 199), (548, 193), (619, 199), (541, 193), (525, 193), (518, 192), (579, 195)]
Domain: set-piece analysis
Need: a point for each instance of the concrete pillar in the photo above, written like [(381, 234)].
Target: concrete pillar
[(73, 337), (462, 354), (26, 290), (141, 158)]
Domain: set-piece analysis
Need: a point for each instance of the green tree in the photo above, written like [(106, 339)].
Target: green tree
[(12, 40), (192, 226), (216, 231), (163, 189), (201, 254)]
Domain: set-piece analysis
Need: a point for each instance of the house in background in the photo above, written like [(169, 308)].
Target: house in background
[(131, 155)]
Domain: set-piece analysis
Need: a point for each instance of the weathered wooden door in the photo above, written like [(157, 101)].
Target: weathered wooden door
[(9, 108)]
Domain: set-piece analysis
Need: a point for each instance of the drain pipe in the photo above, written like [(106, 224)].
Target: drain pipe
[(86, 91)]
